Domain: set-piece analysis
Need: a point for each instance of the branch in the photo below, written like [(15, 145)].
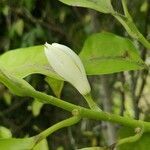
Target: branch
[(91, 114), (62, 124), (125, 8), (131, 139), (130, 26), (22, 88)]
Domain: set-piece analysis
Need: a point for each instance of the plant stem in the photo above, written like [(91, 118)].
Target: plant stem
[(125, 8), (47, 99), (130, 26), (91, 114), (130, 139), (65, 123), (91, 102)]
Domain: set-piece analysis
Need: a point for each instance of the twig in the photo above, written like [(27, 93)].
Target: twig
[(91, 114), (131, 139)]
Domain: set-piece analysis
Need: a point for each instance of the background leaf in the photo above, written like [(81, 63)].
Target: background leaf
[(105, 53)]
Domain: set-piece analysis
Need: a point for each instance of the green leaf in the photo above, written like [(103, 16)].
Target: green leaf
[(141, 144), (29, 61), (25, 61), (5, 133), (36, 107), (99, 5), (17, 144), (105, 53), (43, 145), (56, 85)]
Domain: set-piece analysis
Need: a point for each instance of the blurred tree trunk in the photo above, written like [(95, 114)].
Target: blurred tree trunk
[(107, 107), (106, 94)]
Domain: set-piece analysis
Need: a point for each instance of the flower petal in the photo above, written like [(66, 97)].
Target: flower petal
[(68, 65), (72, 54)]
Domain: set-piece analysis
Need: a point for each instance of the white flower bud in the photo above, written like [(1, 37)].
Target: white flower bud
[(68, 65)]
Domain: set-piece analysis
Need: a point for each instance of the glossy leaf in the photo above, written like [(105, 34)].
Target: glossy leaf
[(28, 61), (105, 53), (99, 5), (25, 61)]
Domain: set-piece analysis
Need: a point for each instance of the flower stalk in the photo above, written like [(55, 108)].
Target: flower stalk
[(91, 102)]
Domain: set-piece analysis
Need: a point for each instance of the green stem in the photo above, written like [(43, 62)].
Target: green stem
[(91, 102), (47, 99), (130, 139), (130, 26), (91, 114), (65, 123), (125, 8)]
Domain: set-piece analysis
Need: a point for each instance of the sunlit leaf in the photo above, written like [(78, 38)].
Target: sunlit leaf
[(25, 61)]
